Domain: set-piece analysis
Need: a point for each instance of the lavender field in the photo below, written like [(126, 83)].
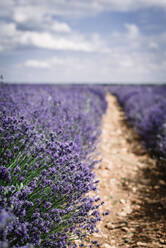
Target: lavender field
[(48, 139), (145, 109), (46, 136)]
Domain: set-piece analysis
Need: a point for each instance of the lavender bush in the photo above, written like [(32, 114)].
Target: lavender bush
[(145, 108), (47, 134)]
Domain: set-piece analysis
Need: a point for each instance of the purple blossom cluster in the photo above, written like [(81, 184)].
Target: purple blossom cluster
[(145, 108), (47, 136)]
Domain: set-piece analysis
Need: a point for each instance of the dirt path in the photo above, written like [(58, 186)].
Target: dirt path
[(131, 185)]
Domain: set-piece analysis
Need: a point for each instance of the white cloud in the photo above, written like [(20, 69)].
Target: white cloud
[(9, 36), (37, 64), (130, 57), (130, 5), (60, 27), (79, 8), (46, 40), (153, 45), (133, 31), (117, 56), (8, 29), (84, 8), (12, 38), (38, 11), (23, 14), (121, 64), (49, 41), (48, 63), (132, 39), (35, 17), (6, 8)]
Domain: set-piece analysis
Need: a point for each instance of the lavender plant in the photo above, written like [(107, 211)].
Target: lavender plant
[(46, 136), (145, 108)]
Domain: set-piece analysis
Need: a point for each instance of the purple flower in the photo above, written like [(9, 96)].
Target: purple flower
[(5, 174), (46, 136), (145, 109)]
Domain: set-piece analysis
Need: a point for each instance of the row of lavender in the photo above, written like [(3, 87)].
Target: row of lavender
[(145, 108), (47, 136)]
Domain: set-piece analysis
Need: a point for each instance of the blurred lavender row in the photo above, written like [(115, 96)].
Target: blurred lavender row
[(145, 109), (47, 137)]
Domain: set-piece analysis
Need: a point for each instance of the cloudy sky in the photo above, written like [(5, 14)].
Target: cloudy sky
[(83, 40)]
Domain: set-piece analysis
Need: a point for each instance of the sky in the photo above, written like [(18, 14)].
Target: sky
[(91, 41)]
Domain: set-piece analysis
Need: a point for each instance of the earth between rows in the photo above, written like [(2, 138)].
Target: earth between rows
[(132, 186)]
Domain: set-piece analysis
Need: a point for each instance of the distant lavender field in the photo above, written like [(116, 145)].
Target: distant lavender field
[(145, 109)]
